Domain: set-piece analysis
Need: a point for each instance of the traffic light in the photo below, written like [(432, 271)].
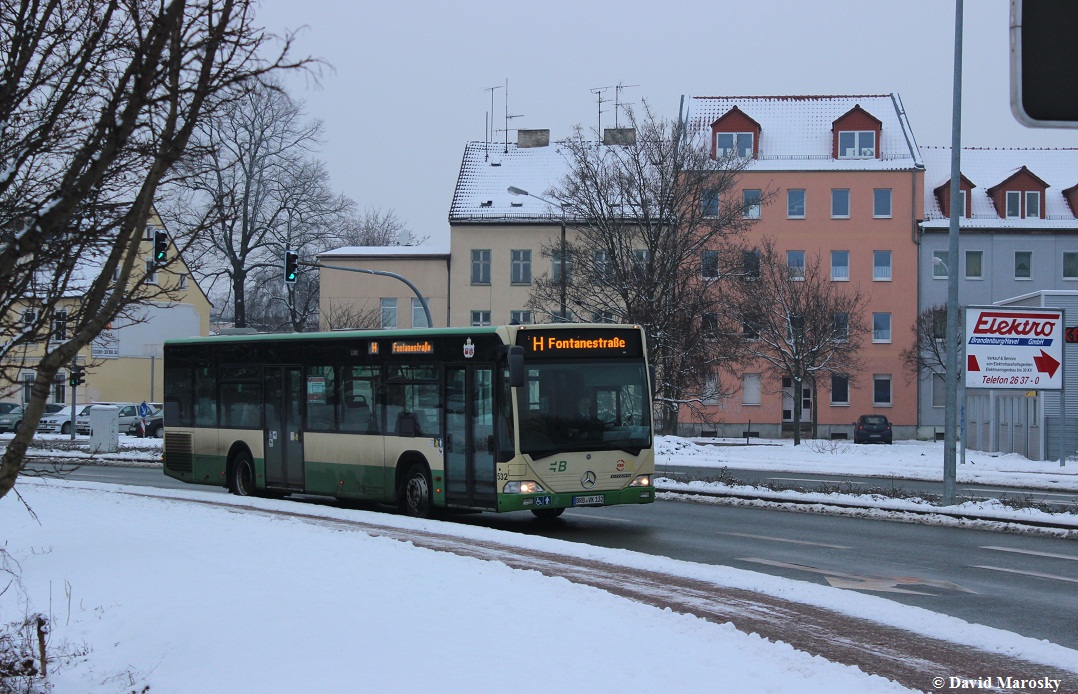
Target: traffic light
[(291, 267), (160, 246), (77, 376)]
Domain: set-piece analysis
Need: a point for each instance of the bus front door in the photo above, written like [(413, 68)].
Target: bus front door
[(284, 434), (469, 442)]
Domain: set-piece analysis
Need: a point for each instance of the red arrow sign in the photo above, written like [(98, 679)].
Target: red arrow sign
[(1046, 363)]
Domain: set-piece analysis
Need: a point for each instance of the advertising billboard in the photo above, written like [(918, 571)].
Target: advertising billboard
[(1018, 348)]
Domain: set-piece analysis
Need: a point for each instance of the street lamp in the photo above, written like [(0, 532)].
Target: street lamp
[(513, 190)]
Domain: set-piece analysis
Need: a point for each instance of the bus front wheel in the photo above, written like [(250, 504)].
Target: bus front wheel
[(415, 498), (243, 475)]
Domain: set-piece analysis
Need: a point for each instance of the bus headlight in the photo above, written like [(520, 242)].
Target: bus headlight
[(641, 481), (525, 487)]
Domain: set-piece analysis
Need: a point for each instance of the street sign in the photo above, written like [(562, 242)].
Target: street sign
[(1016, 348)]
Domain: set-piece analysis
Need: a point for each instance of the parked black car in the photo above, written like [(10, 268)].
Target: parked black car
[(872, 428), (155, 427)]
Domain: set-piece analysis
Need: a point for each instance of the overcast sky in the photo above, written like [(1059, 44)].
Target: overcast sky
[(407, 82)]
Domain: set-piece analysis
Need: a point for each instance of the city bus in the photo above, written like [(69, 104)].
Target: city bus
[(492, 418)]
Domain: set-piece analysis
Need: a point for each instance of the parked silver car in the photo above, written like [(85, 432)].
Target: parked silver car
[(12, 414), (128, 414), (60, 422)]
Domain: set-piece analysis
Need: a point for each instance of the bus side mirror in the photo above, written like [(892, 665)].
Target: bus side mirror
[(515, 358)]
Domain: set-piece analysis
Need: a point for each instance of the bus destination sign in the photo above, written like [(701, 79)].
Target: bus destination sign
[(580, 343), (1019, 348), (419, 347)]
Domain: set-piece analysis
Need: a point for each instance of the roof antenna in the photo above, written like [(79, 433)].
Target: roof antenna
[(598, 91), (507, 116), (617, 99), (488, 130)]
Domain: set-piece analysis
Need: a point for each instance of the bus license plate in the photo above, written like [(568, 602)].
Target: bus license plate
[(595, 500)]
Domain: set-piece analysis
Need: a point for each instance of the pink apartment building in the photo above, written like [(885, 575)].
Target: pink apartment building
[(843, 177)]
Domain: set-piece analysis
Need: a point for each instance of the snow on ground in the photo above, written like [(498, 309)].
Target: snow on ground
[(185, 598)]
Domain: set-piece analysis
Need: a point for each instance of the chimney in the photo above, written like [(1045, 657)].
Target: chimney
[(619, 136), (533, 138)]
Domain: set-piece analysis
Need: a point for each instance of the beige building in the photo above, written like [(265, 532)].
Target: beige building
[(353, 297), (124, 363)]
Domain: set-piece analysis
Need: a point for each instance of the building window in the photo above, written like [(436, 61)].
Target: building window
[(389, 313), (750, 389), (641, 256), (735, 144), (974, 265), (795, 203), (182, 281), (881, 390), (1014, 203), (558, 266), (1070, 265), (881, 266), (840, 266), (751, 201), (1033, 203), (59, 325), (749, 331), (856, 144), (520, 317), (750, 263), (603, 317), (480, 318), (520, 269), (481, 267), (709, 326), (881, 202), (840, 203), (59, 388), (419, 316), (151, 272), (710, 203), (840, 390), (940, 267), (939, 391), (709, 265), (881, 327), (795, 264), (1023, 265), (840, 326), (710, 396)]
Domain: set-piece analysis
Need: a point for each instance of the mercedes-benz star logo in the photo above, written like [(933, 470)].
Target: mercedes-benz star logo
[(587, 480)]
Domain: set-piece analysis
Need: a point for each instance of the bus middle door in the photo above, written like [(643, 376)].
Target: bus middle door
[(284, 432)]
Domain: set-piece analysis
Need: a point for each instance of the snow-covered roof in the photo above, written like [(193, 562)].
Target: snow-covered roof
[(386, 251), (487, 172), (796, 131), (986, 168)]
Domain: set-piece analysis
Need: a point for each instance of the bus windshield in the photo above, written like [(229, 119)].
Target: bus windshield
[(577, 406)]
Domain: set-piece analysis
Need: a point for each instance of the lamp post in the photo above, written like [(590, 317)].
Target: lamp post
[(513, 190)]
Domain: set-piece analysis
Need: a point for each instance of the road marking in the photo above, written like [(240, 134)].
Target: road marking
[(1067, 497), (1036, 554), (1035, 574), (782, 539), (880, 584)]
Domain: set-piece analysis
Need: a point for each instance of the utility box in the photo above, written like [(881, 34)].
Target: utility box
[(104, 429)]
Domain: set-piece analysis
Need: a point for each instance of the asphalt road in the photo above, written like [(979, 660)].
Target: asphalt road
[(1022, 583)]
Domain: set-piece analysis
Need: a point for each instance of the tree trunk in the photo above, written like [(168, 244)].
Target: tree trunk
[(239, 277)]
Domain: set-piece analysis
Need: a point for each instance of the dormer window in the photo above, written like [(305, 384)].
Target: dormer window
[(1033, 203), (1014, 203), (856, 144), (1019, 196), (734, 144)]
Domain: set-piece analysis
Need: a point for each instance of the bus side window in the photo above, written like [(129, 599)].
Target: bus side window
[(357, 399)]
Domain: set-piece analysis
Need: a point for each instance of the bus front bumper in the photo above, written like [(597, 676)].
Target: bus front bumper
[(591, 498)]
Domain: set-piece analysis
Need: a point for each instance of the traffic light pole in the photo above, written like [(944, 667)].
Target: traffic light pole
[(422, 301)]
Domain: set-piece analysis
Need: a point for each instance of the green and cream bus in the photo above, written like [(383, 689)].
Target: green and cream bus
[(494, 418)]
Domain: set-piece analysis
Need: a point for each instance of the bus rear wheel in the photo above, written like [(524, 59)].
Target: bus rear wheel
[(545, 513), (243, 475), (415, 497)]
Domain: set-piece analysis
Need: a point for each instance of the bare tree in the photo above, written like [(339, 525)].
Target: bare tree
[(258, 192), (375, 227), (350, 316), (645, 216), (796, 322), (98, 100), (928, 354)]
